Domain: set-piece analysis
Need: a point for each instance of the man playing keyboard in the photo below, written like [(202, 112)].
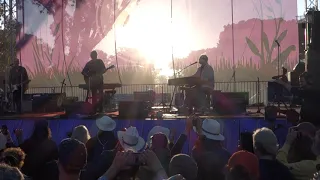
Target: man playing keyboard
[(196, 96)]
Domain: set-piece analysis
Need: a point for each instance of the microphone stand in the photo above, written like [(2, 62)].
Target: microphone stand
[(278, 44), (186, 67), (258, 98)]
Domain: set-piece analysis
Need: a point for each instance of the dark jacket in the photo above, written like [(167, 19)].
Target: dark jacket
[(274, 170), (107, 141)]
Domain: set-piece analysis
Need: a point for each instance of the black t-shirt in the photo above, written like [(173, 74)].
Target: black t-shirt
[(18, 75), (94, 70)]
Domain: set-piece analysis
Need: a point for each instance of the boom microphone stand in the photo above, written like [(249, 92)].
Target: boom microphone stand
[(278, 44)]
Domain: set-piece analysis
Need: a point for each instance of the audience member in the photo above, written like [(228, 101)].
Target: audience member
[(176, 177), (304, 169), (243, 164), (3, 143), (10, 173), (265, 146), (184, 165), (300, 148), (130, 140), (238, 172), (81, 134), (104, 140), (72, 159), (125, 165), (40, 150), (208, 151), (156, 130), (159, 145), (14, 157)]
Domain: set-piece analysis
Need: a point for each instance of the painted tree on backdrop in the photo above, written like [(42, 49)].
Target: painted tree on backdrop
[(81, 31)]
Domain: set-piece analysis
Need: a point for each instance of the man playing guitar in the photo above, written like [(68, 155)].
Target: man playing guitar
[(19, 82), (93, 77)]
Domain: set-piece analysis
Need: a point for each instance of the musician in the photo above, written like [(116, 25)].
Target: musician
[(93, 76), (283, 77), (196, 96), (310, 100), (19, 81)]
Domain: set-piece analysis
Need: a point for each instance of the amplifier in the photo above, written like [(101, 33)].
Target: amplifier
[(133, 109), (46, 102), (231, 103), (144, 96), (79, 107)]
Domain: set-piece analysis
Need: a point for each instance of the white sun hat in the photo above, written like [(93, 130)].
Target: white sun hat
[(156, 130), (105, 123), (130, 140), (211, 130)]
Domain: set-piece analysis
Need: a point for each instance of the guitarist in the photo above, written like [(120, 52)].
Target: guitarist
[(93, 77), (19, 82)]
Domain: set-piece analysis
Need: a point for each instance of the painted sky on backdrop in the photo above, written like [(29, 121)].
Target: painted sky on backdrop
[(196, 25)]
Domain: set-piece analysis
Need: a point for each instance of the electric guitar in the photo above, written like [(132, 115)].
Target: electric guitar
[(15, 87), (94, 80)]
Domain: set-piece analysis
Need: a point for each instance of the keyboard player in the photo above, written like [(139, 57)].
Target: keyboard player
[(197, 96)]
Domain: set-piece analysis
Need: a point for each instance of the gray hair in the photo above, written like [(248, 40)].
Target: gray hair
[(81, 134), (266, 141), (10, 173)]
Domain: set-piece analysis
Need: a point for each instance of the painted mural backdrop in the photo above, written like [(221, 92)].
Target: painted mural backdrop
[(142, 37)]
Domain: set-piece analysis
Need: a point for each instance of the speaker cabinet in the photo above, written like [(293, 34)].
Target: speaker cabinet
[(133, 109), (232, 103)]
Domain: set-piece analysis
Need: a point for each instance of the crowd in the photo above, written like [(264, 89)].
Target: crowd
[(126, 155)]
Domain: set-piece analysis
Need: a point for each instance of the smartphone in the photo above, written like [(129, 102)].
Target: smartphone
[(137, 161)]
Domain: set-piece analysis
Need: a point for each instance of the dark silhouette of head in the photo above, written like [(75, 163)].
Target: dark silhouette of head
[(203, 60), (41, 131), (16, 62), (94, 55)]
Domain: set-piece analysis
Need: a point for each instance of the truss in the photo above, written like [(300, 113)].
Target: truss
[(311, 5)]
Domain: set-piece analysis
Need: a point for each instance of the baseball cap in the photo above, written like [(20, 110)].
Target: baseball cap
[(72, 154)]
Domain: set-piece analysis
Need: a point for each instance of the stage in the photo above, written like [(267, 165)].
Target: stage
[(231, 126)]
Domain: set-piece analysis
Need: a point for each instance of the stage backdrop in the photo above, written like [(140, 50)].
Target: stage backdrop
[(142, 37)]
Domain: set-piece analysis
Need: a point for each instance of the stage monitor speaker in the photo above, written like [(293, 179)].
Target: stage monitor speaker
[(232, 103), (46, 102), (133, 110), (79, 107)]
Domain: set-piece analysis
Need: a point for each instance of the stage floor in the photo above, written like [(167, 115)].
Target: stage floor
[(252, 112)]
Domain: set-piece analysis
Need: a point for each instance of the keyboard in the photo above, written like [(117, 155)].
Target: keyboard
[(186, 81), (105, 86)]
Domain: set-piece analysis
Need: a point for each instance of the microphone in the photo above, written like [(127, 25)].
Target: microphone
[(187, 67), (277, 42)]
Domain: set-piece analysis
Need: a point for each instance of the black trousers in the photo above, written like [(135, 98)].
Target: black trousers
[(17, 97)]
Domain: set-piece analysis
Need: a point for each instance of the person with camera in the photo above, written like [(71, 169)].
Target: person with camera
[(132, 155), (304, 169)]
